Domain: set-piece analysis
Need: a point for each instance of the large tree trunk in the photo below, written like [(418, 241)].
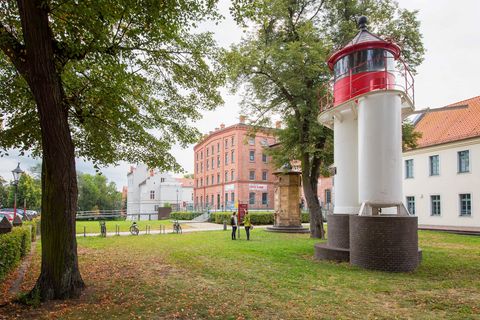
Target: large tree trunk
[(310, 173), (310, 192), (60, 277)]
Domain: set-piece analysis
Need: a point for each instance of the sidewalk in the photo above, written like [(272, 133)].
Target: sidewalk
[(193, 227)]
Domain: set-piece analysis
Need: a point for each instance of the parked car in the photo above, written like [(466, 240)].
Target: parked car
[(11, 212), (6, 214)]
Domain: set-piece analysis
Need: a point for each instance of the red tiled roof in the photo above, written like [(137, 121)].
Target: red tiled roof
[(450, 125)]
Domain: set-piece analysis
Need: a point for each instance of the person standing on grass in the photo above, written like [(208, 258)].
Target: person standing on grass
[(247, 224), (234, 223)]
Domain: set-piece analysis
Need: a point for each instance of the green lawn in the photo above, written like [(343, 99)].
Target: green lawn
[(94, 226), (205, 275)]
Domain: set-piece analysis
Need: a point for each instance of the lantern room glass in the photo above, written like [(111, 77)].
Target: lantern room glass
[(364, 61)]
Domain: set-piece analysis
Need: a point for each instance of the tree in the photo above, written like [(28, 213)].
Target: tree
[(409, 136), (188, 176), (282, 64), (28, 192), (96, 191), (3, 193), (103, 80)]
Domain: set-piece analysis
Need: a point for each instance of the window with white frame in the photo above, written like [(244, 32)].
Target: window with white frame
[(434, 165), (218, 177), (264, 175), (252, 175), (207, 181), (408, 168), (411, 204), (251, 198), (465, 204), (435, 207), (232, 197), (232, 176), (152, 195), (264, 198), (218, 161), (463, 161), (226, 176), (233, 156), (264, 158), (226, 158), (252, 155), (251, 141), (213, 164)]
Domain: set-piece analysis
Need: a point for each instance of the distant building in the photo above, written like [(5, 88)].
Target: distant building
[(441, 177), (149, 189), (232, 168)]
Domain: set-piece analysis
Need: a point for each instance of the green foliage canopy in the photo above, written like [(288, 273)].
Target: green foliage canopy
[(134, 73), (95, 192)]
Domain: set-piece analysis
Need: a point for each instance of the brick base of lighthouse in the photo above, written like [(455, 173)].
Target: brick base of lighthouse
[(384, 242), (337, 247)]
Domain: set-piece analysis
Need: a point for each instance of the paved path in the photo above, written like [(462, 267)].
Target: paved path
[(193, 227)]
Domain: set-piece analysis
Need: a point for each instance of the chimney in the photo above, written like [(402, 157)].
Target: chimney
[(216, 129), (242, 118), (152, 173), (210, 132), (278, 124), (222, 126)]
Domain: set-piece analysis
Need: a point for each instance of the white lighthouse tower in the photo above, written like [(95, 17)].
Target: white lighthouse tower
[(372, 90)]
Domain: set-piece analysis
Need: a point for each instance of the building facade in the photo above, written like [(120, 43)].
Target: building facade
[(232, 167), (441, 177), (150, 189)]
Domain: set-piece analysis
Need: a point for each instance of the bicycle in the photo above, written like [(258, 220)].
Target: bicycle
[(134, 229), (176, 227)]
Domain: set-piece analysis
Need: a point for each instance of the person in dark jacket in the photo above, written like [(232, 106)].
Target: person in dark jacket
[(234, 223)]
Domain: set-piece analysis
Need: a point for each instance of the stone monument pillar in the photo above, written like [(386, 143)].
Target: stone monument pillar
[(287, 215)]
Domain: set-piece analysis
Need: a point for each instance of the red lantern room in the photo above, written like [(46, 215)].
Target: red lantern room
[(365, 64)]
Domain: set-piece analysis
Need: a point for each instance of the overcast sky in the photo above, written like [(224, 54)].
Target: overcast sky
[(448, 74)]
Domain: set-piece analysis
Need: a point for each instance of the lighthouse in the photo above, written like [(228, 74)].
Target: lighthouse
[(372, 92)]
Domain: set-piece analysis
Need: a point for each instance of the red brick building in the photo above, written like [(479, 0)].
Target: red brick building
[(231, 168)]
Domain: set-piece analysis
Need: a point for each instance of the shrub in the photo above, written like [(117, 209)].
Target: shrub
[(13, 246), (305, 217), (257, 218), (35, 223), (184, 215)]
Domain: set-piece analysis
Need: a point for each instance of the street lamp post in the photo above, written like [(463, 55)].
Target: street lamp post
[(16, 177), (178, 207)]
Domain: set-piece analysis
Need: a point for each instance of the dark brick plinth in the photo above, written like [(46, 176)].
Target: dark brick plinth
[(291, 229), (338, 235), (385, 242), (324, 251)]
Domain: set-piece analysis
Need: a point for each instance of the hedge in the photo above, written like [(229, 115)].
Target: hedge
[(184, 215), (13, 246), (258, 218), (34, 223)]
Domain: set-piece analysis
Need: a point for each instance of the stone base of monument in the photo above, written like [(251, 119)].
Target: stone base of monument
[(380, 242), (337, 247), (288, 229)]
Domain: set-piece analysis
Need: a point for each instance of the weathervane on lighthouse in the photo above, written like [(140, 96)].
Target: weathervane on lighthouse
[(372, 93)]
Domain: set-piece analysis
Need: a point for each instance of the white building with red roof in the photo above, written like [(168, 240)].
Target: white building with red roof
[(150, 189), (442, 175)]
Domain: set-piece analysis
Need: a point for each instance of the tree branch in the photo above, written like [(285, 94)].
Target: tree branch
[(14, 50)]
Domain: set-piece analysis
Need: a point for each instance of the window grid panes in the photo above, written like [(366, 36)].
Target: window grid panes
[(435, 205), (264, 198), (252, 155), (408, 168), (264, 175), (252, 175), (465, 204), (411, 204), (463, 161), (251, 198), (152, 195), (434, 165), (264, 157)]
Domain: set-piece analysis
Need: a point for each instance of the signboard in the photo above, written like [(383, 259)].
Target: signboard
[(257, 187), (242, 207), (230, 187)]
